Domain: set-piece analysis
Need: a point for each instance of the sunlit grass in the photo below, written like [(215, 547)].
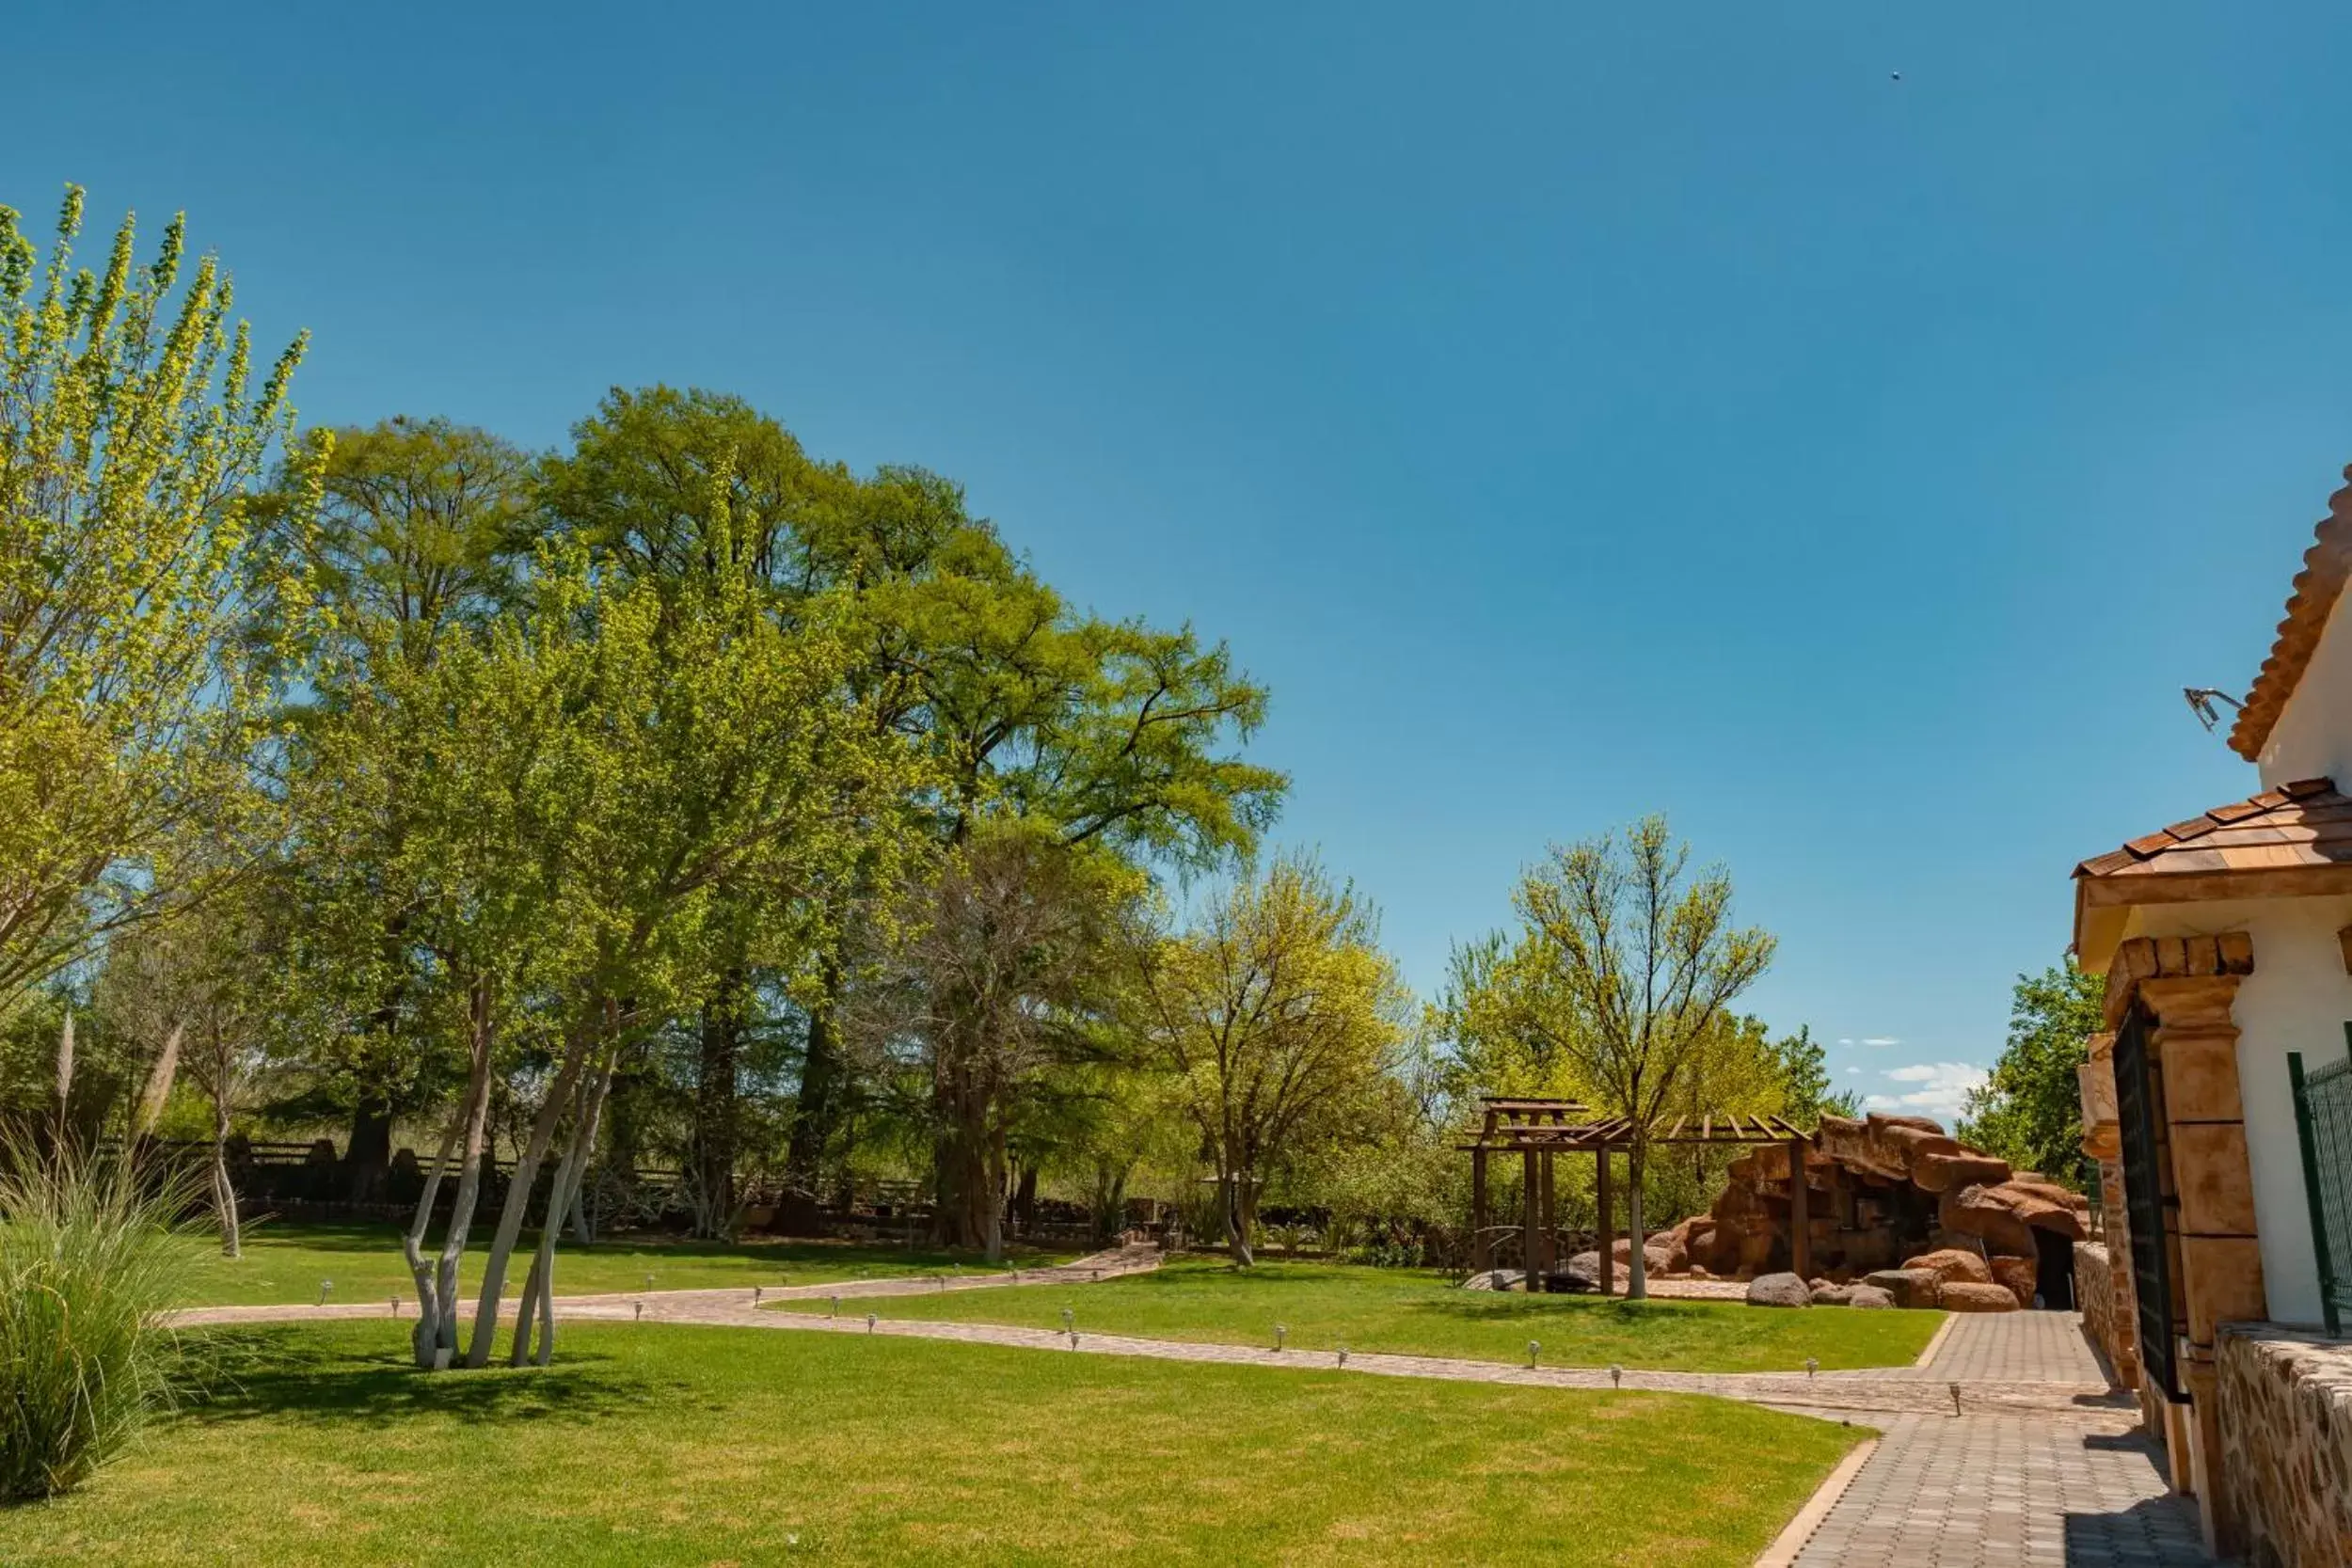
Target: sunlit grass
[(696, 1445), (287, 1263), (1413, 1312)]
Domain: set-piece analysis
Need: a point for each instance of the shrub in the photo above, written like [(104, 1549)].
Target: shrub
[(89, 1253)]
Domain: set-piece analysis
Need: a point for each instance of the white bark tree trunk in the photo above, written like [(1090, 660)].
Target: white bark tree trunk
[(436, 1290), (538, 1300), (224, 1195), (1236, 1233), (534, 1153)]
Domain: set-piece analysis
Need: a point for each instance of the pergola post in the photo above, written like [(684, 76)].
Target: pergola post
[(1482, 1248), (1800, 1213), (1608, 1223), (1550, 1219), (1531, 1203)]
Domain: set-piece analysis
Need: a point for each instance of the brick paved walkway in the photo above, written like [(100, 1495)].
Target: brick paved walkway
[(2064, 1483), (2007, 1490)]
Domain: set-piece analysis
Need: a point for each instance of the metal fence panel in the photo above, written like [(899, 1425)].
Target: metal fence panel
[(2323, 1126)]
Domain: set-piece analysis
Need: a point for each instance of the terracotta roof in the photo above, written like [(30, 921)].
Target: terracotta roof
[(2296, 826), (2325, 567)]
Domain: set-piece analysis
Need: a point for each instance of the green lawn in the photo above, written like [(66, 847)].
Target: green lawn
[(286, 1263), (1416, 1313), (700, 1446)]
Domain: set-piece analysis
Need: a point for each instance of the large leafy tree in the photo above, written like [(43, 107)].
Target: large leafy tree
[(1005, 976), (143, 616), (2029, 1110), (1112, 735)]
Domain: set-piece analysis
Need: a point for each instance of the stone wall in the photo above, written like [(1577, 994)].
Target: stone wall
[(2286, 1426), (2094, 1295)]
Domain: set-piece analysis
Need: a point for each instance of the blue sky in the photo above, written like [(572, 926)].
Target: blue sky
[(1570, 411)]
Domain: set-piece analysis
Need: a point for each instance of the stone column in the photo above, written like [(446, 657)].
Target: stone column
[(2103, 1141), (2211, 1234)]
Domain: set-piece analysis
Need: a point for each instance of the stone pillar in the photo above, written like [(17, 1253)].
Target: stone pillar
[(2209, 1187), (2103, 1141)]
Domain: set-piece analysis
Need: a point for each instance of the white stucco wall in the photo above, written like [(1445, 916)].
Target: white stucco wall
[(2313, 736), (2297, 999)]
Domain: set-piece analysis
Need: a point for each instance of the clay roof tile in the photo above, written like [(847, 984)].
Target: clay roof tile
[(2326, 566), (2303, 823)]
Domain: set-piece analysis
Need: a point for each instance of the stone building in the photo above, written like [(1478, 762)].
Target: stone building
[(2226, 941)]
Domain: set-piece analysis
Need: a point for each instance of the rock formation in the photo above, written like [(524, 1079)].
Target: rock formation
[(1887, 1197)]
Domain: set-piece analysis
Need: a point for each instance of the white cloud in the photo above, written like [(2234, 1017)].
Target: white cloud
[(1854, 1071), (1873, 1041), (1935, 1089)]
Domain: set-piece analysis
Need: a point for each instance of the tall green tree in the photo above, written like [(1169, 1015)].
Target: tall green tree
[(1107, 734), (1278, 1015), (1625, 967), (1006, 973), (144, 622), (423, 534), (2029, 1110)]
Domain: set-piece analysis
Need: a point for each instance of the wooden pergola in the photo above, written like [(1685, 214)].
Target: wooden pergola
[(1538, 1131)]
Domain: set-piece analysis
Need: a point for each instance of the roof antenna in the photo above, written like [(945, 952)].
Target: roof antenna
[(2201, 700)]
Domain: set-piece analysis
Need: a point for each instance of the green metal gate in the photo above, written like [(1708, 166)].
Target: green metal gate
[(2323, 1125)]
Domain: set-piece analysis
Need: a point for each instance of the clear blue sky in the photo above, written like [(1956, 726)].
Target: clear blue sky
[(1570, 411)]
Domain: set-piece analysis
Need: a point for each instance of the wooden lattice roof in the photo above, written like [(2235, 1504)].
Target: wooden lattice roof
[(1518, 1126)]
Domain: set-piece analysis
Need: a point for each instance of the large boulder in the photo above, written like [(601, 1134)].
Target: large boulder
[(2021, 1276), (1867, 1295), (1985, 1213), (1585, 1266), (1909, 1287), (1942, 1173), (1655, 1256), (1968, 1297), (1778, 1290), (1826, 1294), (1950, 1264)]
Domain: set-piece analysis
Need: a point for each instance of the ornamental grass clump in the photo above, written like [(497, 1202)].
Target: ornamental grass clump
[(90, 1255)]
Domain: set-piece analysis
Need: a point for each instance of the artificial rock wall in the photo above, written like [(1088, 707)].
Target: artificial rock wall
[(1879, 1190)]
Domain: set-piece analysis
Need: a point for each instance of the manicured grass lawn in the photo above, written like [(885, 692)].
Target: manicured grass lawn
[(1416, 1313), (702, 1446), (285, 1263)]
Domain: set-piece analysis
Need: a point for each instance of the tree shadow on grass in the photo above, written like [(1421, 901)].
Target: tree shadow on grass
[(242, 1375)]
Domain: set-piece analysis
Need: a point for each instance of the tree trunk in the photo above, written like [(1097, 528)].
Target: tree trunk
[(425, 1336), (998, 1191), (1636, 1275), (224, 1195), (436, 1295), (1236, 1226), (1024, 1198), (968, 1199), (367, 1152), (538, 1298), (718, 1115), (825, 1083), (486, 1318)]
